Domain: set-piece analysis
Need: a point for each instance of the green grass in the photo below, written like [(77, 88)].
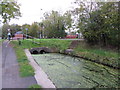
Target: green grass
[(98, 54), (25, 68), (1, 40), (52, 43), (35, 86), (91, 52), (55, 43)]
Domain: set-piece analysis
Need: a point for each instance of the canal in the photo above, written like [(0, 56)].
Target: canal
[(71, 72)]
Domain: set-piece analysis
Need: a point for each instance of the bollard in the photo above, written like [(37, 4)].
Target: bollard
[(19, 41)]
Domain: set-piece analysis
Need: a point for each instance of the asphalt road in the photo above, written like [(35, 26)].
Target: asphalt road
[(10, 69)]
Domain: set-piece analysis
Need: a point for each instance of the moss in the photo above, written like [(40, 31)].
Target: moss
[(71, 72)]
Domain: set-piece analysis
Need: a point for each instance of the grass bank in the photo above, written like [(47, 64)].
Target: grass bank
[(51, 43), (97, 54), (93, 53), (54, 43), (25, 68)]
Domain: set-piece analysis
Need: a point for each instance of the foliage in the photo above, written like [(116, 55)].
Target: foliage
[(13, 29), (99, 22), (34, 30), (68, 19), (10, 9), (4, 30), (54, 25), (97, 54), (24, 26), (94, 53)]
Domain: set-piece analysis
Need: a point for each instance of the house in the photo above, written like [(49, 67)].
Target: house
[(18, 35)]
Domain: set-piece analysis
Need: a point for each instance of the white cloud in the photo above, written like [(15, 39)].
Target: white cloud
[(31, 9)]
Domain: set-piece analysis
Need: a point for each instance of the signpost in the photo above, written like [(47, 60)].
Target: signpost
[(8, 30)]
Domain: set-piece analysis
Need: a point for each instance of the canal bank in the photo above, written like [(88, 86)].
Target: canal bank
[(71, 72), (77, 48), (40, 76), (55, 44)]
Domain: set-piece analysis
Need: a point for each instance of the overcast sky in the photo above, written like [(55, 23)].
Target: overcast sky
[(31, 9)]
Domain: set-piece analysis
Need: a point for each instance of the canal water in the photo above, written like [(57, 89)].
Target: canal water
[(71, 72)]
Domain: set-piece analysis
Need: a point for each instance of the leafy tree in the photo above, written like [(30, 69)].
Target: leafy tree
[(14, 28), (41, 30), (68, 20), (54, 25), (34, 30), (5, 28), (23, 28), (9, 10), (103, 26), (99, 22)]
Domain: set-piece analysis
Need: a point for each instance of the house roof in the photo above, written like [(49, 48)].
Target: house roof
[(19, 32)]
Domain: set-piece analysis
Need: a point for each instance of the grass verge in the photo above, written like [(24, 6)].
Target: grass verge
[(55, 43), (25, 68), (35, 86), (97, 54), (51, 43)]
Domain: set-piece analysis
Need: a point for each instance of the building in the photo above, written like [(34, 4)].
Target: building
[(18, 35)]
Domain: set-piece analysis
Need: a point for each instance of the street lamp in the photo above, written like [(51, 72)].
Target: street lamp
[(26, 32), (43, 30), (42, 26)]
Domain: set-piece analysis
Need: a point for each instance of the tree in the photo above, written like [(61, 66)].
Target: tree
[(9, 10), (68, 20), (34, 30), (14, 28), (54, 25), (5, 28), (103, 25), (23, 28), (41, 30), (98, 25)]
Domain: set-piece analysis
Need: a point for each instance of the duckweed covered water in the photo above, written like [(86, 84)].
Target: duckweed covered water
[(71, 72)]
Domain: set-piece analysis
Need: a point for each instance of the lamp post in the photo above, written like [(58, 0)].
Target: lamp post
[(42, 27), (26, 32), (43, 30)]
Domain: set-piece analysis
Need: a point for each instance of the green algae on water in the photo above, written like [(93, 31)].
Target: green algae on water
[(71, 72)]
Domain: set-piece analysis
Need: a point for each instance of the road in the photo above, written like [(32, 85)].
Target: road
[(10, 69)]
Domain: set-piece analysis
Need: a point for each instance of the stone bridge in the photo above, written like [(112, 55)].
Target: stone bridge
[(40, 50)]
